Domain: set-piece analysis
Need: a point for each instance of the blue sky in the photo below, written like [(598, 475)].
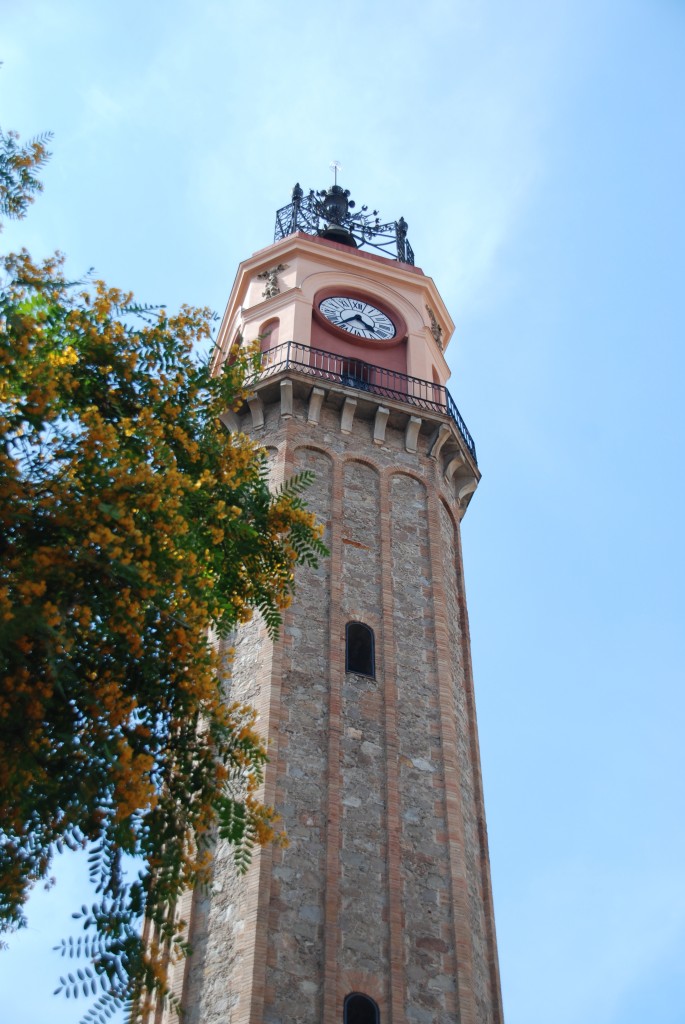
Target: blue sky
[(537, 150)]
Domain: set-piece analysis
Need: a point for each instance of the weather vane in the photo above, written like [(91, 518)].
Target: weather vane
[(335, 166)]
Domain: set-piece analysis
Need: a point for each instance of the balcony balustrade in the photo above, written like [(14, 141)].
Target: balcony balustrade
[(362, 376)]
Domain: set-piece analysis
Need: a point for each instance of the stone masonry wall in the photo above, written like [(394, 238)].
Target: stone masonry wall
[(428, 946), (384, 888), (218, 987), (363, 868), (296, 910), (466, 773), (218, 926)]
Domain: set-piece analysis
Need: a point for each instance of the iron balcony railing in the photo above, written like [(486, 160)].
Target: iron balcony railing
[(354, 373)]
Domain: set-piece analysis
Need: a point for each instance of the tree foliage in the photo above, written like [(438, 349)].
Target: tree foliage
[(19, 183), (133, 529)]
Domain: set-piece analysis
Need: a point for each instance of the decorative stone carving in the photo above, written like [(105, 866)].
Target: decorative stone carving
[(411, 434), (315, 402), (257, 409), (441, 436), (379, 424), (286, 398), (453, 465), (271, 278), (347, 415), (231, 421), (436, 329)]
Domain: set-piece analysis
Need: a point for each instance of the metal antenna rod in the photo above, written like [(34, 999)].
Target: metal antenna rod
[(335, 167)]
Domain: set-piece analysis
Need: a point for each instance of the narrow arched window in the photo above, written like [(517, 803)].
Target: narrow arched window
[(268, 334), (437, 388), (359, 649), (360, 1009)]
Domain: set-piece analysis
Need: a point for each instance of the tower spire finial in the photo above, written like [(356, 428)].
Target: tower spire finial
[(335, 166)]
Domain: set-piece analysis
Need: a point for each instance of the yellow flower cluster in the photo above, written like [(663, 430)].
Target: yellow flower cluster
[(136, 524), (66, 357)]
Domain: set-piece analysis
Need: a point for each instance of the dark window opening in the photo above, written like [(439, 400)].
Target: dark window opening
[(359, 649), (360, 1009), (356, 374)]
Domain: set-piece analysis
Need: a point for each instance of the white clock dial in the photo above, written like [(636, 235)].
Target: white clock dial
[(358, 317)]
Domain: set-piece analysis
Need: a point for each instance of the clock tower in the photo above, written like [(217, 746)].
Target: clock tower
[(379, 911)]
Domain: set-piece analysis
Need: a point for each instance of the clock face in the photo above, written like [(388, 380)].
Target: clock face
[(358, 317)]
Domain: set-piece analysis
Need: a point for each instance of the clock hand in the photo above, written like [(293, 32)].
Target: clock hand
[(363, 322), (348, 316)]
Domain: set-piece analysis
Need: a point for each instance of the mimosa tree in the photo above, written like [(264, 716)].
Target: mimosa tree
[(134, 531)]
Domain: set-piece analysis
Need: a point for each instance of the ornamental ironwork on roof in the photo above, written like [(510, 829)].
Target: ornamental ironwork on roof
[(328, 214)]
